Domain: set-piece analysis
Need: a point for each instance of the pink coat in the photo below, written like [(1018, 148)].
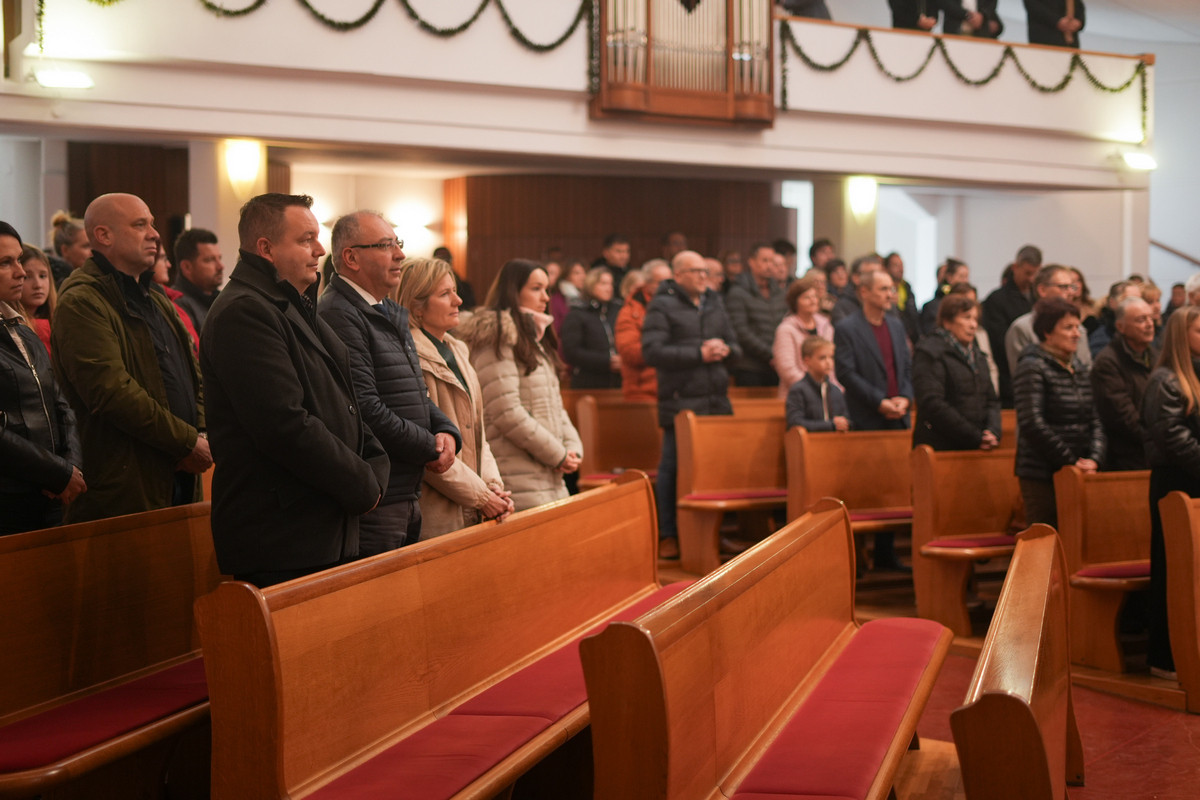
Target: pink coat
[(789, 336)]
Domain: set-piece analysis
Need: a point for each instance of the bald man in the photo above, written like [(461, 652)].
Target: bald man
[(127, 369)]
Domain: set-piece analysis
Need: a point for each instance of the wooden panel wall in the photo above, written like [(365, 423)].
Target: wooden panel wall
[(279, 177), (158, 175), (521, 216)]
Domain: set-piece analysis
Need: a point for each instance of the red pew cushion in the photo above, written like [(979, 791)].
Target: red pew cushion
[(748, 494), (999, 540), (1126, 569), (834, 744), (72, 728), (437, 761)]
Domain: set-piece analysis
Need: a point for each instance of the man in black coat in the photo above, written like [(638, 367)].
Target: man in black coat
[(297, 465), (687, 337), (1013, 299), (1120, 375), (387, 375), (1049, 23)]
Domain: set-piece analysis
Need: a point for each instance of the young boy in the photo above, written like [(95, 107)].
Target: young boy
[(805, 406)]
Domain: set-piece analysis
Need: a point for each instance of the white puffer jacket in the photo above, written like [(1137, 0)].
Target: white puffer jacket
[(527, 427)]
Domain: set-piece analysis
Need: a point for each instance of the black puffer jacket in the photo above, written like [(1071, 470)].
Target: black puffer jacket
[(588, 342), (1057, 422), (389, 384), (955, 400), (1119, 380), (1172, 434), (39, 444), (754, 319), (671, 338)]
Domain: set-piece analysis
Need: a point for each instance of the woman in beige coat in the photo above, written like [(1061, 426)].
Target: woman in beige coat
[(513, 349), (471, 490)]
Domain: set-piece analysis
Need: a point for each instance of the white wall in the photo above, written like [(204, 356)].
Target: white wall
[(21, 200)]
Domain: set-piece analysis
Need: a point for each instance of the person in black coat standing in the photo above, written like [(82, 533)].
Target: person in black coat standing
[(1057, 423), (1049, 23), (298, 466), (387, 376), (589, 344), (40, 455), (957, 408)]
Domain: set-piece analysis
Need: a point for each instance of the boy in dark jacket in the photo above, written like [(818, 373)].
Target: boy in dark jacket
[(814, 402)]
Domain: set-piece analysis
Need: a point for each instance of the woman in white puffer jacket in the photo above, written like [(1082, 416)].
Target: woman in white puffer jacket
[(514, 352)]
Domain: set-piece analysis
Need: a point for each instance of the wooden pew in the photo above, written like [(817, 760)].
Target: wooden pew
[(1008, 429), (866, 470), (753, 392), (448, 668), (1104, 522), (963, 505), (758, 682), (758, 407), (100, 680), (571, 398), (1181, 529), (1016, 734), (726, 463), (617, 435)]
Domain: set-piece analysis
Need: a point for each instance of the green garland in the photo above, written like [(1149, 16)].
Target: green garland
[(863, 36), (585, 11)]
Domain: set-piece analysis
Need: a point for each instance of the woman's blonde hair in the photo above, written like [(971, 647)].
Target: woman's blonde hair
[(31, 253), (63, 230), (418, 278), (1177, 354)]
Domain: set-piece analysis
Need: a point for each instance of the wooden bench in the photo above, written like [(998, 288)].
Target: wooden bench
[(725, 463), (759, 407), (1181, 530), (448, 668), (101, 680), (617, 435), (1008, 429), (1016, 734), (756, 682), (866, 470), (963, 506), (1104, 522)]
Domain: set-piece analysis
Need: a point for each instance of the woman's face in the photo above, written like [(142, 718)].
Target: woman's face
[(839, 277), (1065, 336), (964, 326), (553, 271), (603, 289), (37, 284), (1193, 336), (441, 309), (78, 251), (533, 295), (162, 269), (808, 303), (576, 276)]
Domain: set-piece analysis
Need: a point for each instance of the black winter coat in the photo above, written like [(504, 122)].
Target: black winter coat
[(1057, 423), (39, 444), (588, 342), (999, 310), (671, 338), (1172, 434), (296, 466), (389, 384), (955, 400), (754, 319), (1119, 382)]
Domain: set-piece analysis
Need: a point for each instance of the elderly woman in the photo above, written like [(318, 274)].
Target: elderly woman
[(804, 301), (1057, 422), (957, 406), (514, 351), (589, 342), (471, 489)]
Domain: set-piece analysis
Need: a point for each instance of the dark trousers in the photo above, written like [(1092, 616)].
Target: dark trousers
[(747, 377), (267, 578), (30, 511), (1040, 503), (389, 527), (664, 486)]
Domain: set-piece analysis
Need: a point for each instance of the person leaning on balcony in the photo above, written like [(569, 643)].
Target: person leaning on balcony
[(1055, 22)]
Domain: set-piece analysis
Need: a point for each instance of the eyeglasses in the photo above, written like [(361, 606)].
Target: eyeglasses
[(385, 245)]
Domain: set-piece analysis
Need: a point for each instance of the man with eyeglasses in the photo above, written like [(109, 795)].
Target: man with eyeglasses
[(296, 464), (391, 390), (1052, 280)]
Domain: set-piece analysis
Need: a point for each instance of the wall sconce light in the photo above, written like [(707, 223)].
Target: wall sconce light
[(243, 160), (63, 79), (1138, 160), (863, 192)]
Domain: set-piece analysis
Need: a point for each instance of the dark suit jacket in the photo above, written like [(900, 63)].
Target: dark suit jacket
[(1043, 16), (804, 405), (296, 465), (859, 367)]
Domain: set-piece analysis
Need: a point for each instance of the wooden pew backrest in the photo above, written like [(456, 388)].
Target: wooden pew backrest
[(95, 602), (1103, 516), (319, 674), (617, 434), (1181, 528), (863, 469), (729, 453), (1016, 733)]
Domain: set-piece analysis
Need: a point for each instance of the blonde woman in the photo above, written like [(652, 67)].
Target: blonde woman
[(514, 350), (38, 295), (471, 490)]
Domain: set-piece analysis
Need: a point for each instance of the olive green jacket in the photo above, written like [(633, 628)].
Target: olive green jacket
[(105, 361)]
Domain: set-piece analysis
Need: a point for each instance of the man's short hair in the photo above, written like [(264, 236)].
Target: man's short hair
[(345, 231), (1029, 255), (1123, 306), (187, 244), (444, 254), (263, 217), (867, 280), (754, 248), (1119, 288), (653, 264), (9, 230), (817, 245), (869, 258), (614, 238), (1045, 275), (784, 247), (812, 344)]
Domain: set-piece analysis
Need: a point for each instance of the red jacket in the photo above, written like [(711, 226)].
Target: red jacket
[(638, 381)]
